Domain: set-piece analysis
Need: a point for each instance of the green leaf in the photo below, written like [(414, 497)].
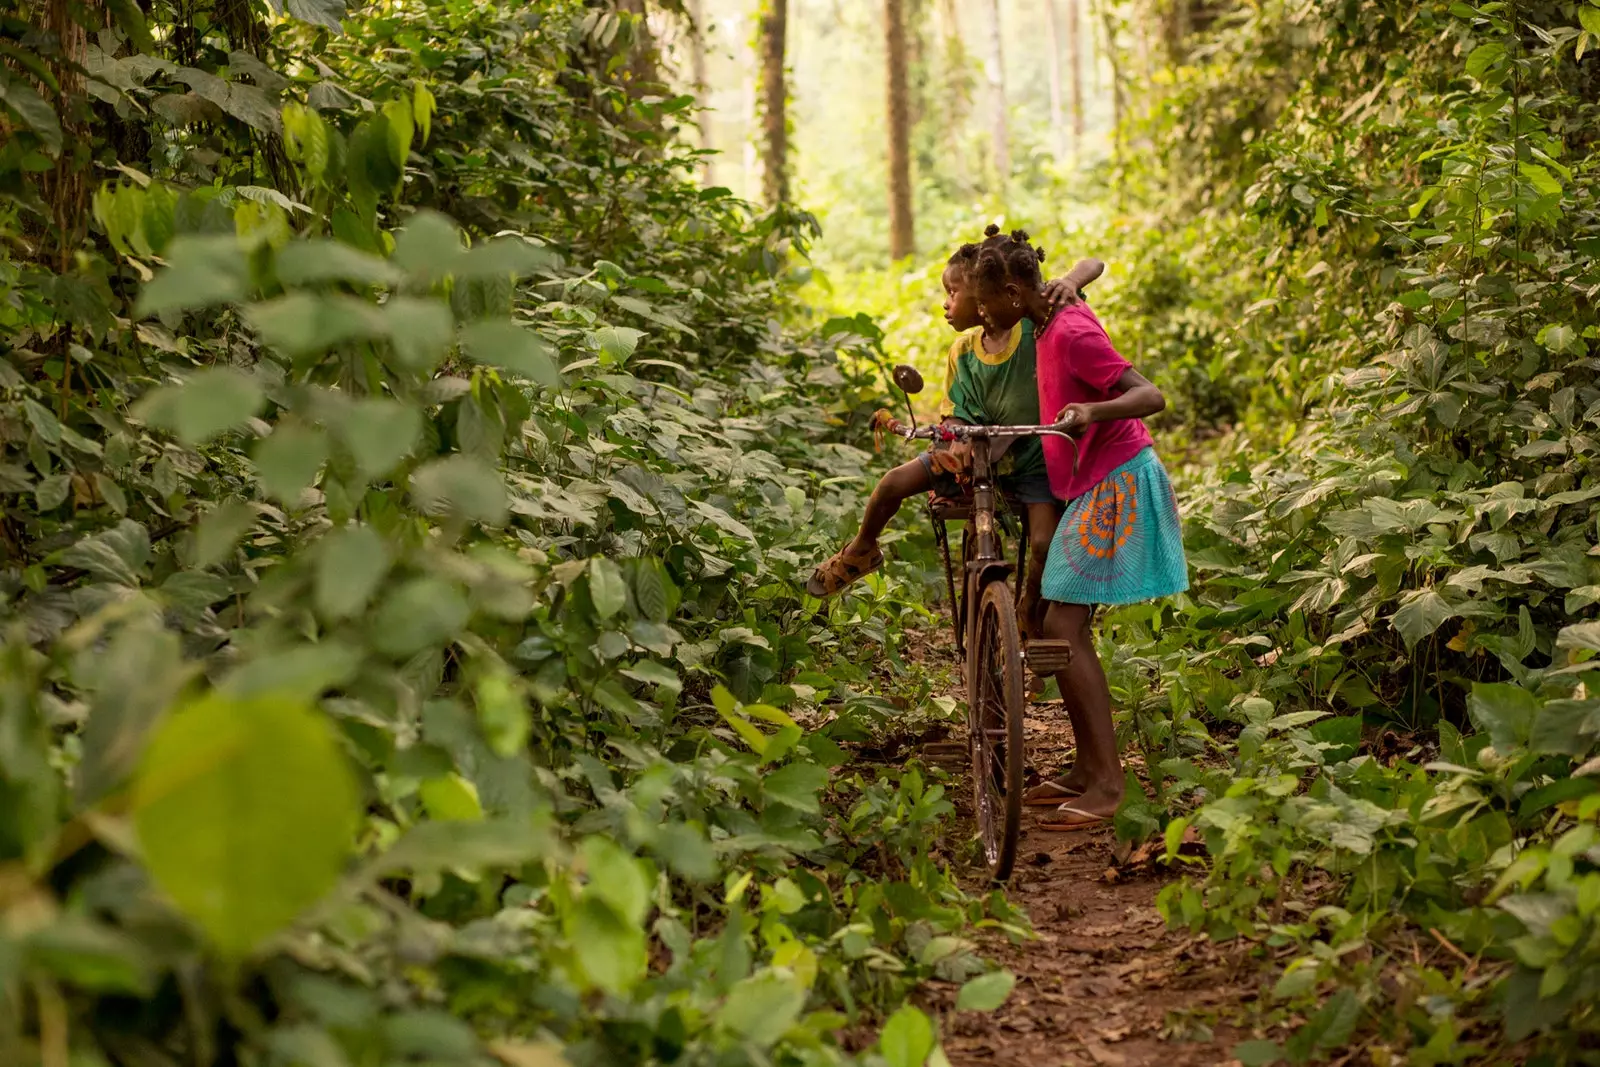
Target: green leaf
[(1589, 19), (986, 992), (318, 12), (379, 434), (428, 247), (288, 460), (429, 847), (221, 834), (90, 956), (1543, 182), (423, 613), (353, 560), (1580, 635), (200, 272), (1421, 613), (617, 878), (1504, 711), (609, 950), (219, 530), (761, 1008), (464, 486), (302, 324), (210, 402), (1258, 1053), (607, 588), (1485, 59), (907, 1039), (615, 343), (451, 798), (325, 260), (653, 591), (35, 113), (500, 343), (796, 786), (116, 555), (502, 257), (420, 330)]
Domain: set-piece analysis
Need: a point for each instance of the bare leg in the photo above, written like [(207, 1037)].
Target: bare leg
[(893, 488), (1042, 522), (1087, 696)]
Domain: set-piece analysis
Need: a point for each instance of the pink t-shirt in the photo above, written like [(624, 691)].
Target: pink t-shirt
[(1077, 365)]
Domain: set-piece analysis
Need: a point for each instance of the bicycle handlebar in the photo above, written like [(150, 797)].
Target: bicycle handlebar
[(965, 432)]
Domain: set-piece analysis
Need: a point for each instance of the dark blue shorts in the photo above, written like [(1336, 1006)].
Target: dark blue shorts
[(1025, 488)]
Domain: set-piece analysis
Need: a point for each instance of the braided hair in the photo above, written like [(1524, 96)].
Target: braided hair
[(1007, 257)]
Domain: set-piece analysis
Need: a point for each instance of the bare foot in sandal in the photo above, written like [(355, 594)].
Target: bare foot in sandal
[(1052, 792), (1090, 811), (841, 569)]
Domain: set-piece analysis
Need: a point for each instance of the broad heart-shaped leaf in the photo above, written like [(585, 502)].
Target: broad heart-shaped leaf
[(502, 257), (422, 613), (907, 1039), (451, 798), (246, 812), (986, 992), (461, 485), (206, 404), (796, 786), (300, 324), (116, 555), (607, 588), (761, 1008), (615, 343), (420, 330), (428, 246), (200, 272), (287, 461), (501, 343), (609, 949), (326, 260), (617, 878), (318, 12), (1581, 635), (1422, 612), (352, 561), (379, 433), (1504, 711)]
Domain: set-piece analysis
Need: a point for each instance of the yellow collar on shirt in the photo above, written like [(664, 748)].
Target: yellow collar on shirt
[(996, 358)]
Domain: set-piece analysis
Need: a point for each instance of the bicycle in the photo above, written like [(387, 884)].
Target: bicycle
[(984, 620)]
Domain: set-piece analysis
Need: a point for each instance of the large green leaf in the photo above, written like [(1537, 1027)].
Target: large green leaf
[(761, 1008), (246, 813), (324, 260), (380, 433), (208, 403), (352, 562), (288, 460), (498, 343), (422, 613), (1504, 711), (609, 949), (907, 1039), (1421, 613), (986, 992)]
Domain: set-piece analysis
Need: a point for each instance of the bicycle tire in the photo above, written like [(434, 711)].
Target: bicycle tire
[(996, 697)]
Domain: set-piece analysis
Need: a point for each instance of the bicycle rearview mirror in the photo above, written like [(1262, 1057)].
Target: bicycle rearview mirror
[(908, 378)]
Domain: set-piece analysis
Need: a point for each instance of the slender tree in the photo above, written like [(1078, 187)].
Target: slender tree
[(1058, 123), (902, 231), (997, 97), (702, 90), (1075, 57), (774, 28)]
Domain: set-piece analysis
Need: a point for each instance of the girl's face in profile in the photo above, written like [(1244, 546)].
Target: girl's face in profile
[(960, 302)]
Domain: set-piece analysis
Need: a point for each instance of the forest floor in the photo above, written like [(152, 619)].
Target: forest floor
[(1104, 982)]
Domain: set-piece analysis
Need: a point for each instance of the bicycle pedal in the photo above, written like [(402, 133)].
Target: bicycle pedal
[(1049, 657)]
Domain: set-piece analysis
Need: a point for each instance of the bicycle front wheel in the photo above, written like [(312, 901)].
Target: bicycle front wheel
[(995, 702)]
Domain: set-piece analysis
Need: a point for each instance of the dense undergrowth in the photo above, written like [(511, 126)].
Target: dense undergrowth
[(406, 473), (1355, 241)]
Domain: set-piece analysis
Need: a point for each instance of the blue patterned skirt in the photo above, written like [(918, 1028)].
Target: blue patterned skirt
[(1121, 542)]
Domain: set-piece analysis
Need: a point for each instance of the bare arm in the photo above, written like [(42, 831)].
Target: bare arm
[(1139, 399), (1068, 289)]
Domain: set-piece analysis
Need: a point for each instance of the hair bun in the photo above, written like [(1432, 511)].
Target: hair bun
[(1020, 236), (991, 230), (1040, 253)]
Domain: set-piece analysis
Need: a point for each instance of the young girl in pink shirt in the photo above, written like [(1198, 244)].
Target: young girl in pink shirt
[(1120, 540)]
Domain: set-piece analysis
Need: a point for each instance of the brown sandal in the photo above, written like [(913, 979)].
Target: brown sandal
[(1067, 818), (1058, 793), (840, 570)]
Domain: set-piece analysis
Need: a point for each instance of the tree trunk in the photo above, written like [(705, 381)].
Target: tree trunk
[(1075, 55), (697, 70), (902, 232), (997, 98), (1058, 122), (1116, 75), (774, 27)]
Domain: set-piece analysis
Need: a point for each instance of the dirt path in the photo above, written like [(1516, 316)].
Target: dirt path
[(1105, 983)]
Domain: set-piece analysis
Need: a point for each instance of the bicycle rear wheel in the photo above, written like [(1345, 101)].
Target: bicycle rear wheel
[(995, 702)]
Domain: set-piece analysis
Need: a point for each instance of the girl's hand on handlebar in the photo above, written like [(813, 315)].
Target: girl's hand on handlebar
[(1075, 418)]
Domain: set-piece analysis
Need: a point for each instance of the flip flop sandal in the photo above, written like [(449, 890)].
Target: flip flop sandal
[(1035, 798), (1085, 820), (839, 570)]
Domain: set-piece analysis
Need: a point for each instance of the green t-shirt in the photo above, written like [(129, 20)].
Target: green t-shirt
[(997, 389)]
